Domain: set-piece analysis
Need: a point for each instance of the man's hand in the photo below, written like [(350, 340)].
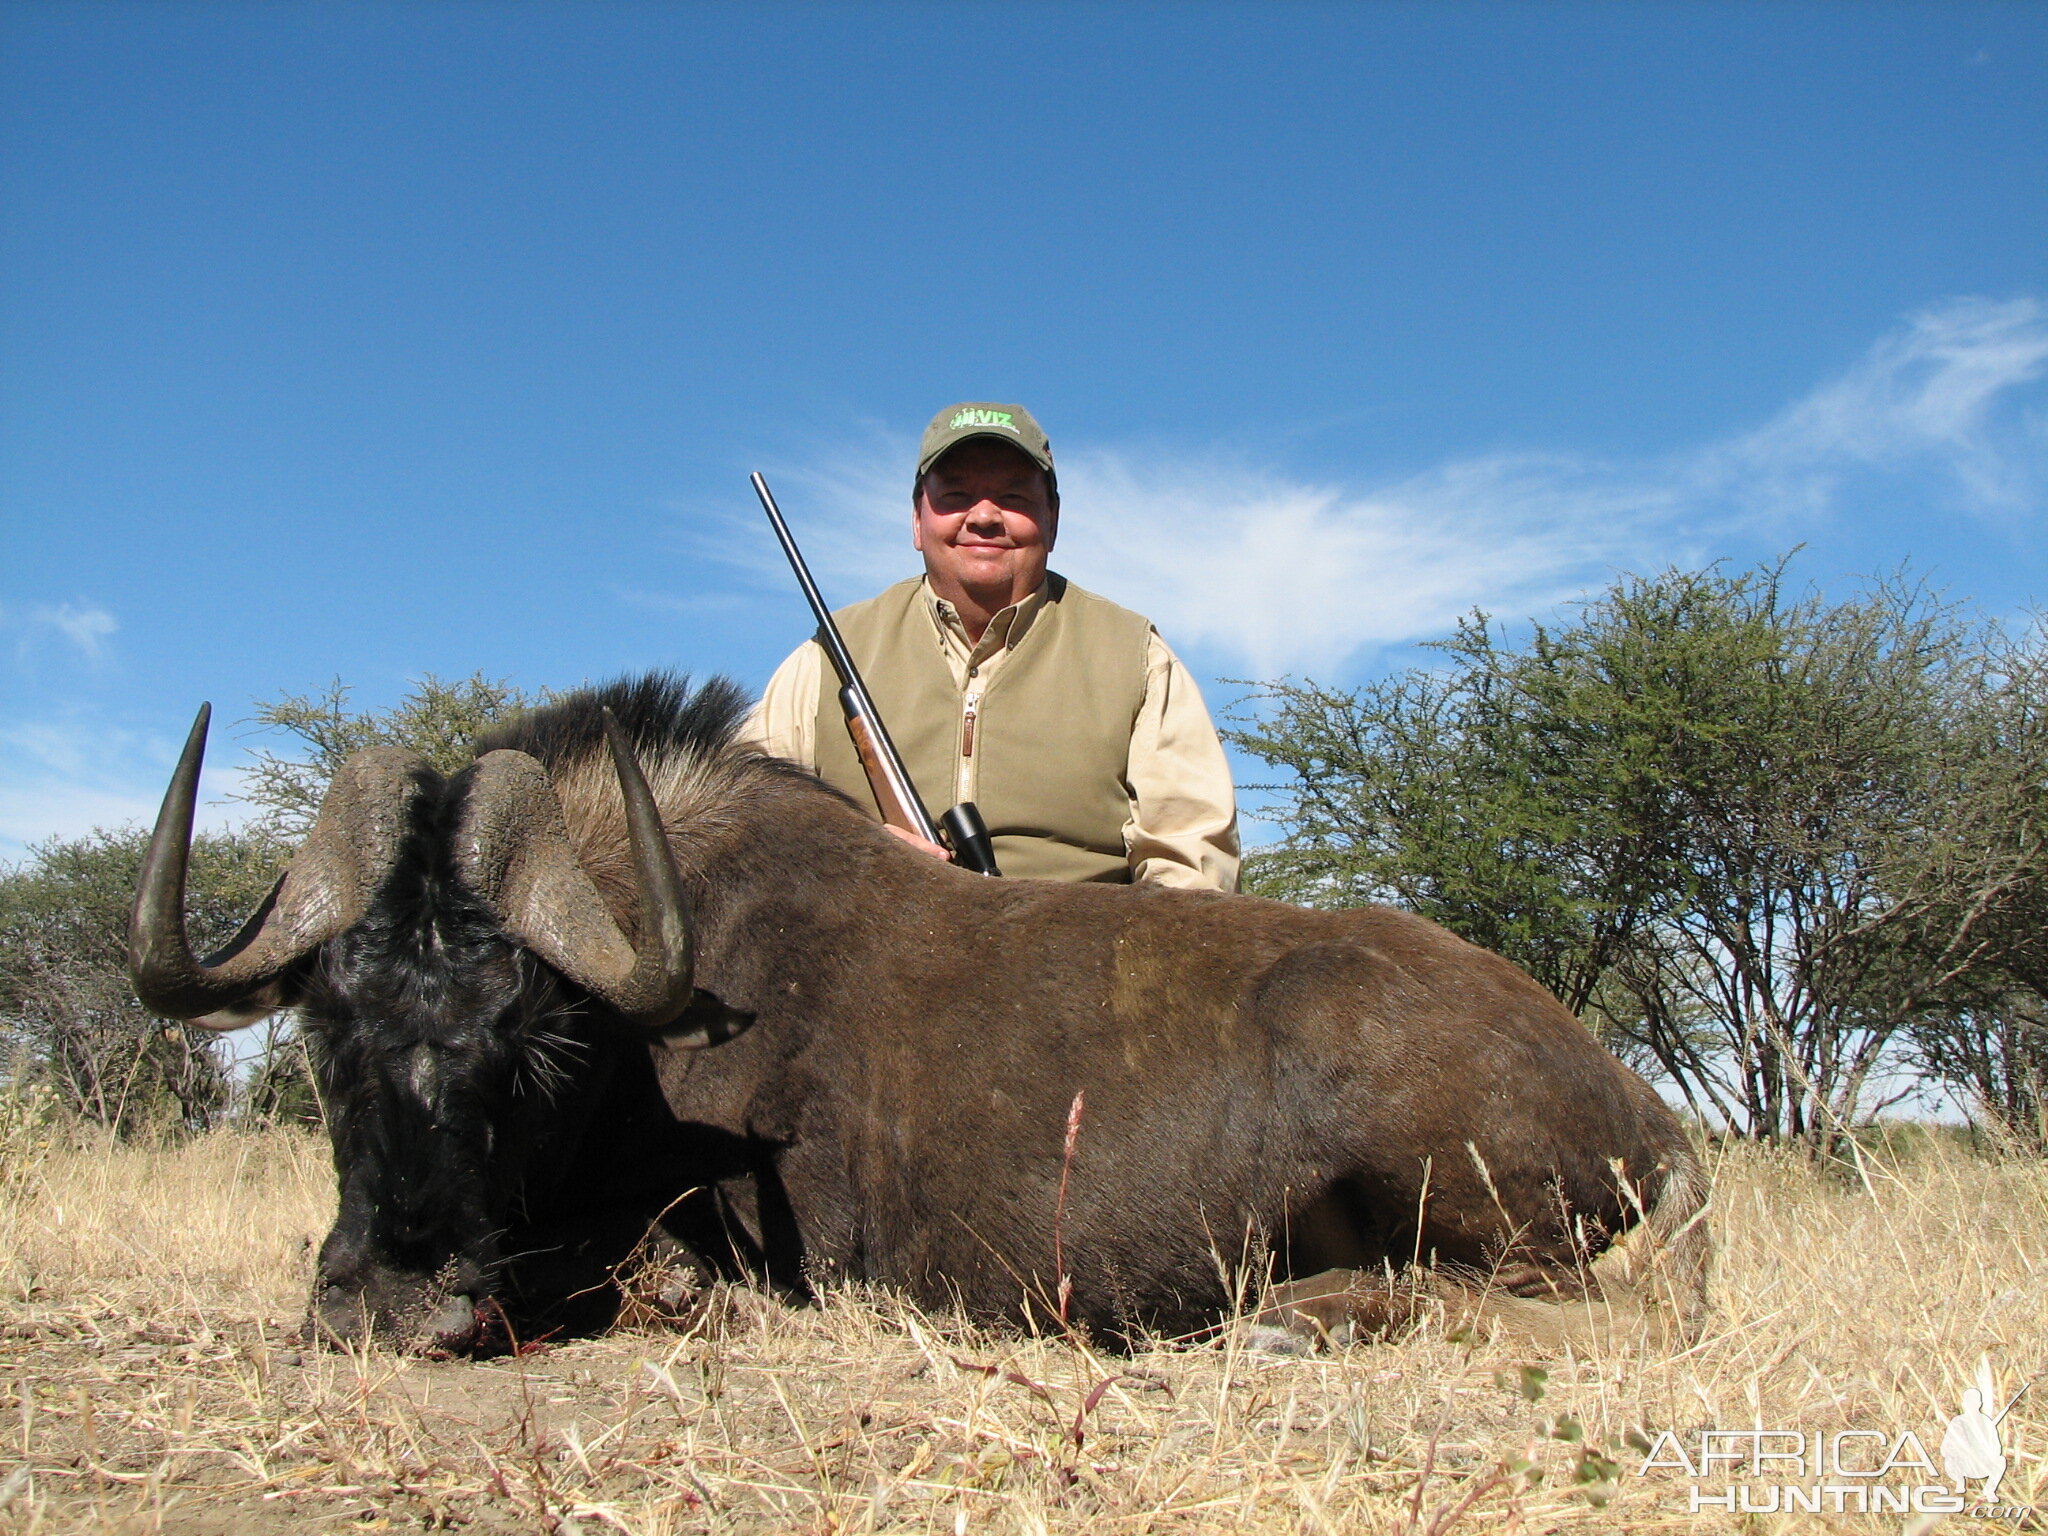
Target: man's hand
[(921, 844)]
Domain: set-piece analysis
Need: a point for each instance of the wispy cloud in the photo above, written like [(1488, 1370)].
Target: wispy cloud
[(696, 605), (85, 626), (1281, 575), (854, 525), (64, 776), (1943, 393), (1275, 574)]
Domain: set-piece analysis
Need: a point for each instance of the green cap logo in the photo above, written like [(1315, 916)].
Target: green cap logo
[(1011, 424), (981, 416)]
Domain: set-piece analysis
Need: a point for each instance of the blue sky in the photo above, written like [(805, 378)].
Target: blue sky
[(366, 341)]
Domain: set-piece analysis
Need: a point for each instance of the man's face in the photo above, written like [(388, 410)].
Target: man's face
[(985, 522)]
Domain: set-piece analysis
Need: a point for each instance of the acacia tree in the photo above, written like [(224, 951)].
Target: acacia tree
[(66, 1010), (437, 719), (65, 1003), (1994, 1052), (1686, 811), (1975, 891), (1802, 767), (1437, 790)]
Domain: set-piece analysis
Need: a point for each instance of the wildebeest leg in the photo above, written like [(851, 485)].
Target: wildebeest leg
[(662, 1281), (1346, 1280), (1334, 1231), (1539, 1282), (1538, 1306), (1341, 1281), (1341, 1306)]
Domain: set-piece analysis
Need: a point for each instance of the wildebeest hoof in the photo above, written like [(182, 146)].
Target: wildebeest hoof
[(1266, 1340), (338, 1319)]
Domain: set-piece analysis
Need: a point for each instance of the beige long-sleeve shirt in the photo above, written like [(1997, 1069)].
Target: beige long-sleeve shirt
[(1182, 829)]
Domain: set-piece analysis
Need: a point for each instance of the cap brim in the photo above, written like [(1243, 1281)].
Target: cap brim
[(992, 434)]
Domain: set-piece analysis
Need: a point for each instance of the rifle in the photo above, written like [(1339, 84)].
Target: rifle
[(965, 831)]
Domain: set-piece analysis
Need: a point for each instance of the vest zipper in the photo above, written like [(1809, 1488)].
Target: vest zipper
[(969, 708)]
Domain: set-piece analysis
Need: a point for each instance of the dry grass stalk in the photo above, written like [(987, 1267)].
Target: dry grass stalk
[(148, 1382)]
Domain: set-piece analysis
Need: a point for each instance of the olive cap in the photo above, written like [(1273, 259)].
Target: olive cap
[(1011, 424)]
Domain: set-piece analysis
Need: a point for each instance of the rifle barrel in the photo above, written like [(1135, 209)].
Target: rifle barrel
[(835, 646), (855, 695)]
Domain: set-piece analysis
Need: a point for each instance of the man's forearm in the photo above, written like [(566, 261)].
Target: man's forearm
[(1183, 827)]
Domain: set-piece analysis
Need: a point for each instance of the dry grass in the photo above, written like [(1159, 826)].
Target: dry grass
[(148, 1382)]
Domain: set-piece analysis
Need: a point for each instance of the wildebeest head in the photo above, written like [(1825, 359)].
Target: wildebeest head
[(446, 954)]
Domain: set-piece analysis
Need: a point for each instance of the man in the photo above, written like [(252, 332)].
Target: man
[(1079, 735)]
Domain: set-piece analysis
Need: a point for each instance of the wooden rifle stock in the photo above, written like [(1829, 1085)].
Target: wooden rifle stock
[(895, 795)]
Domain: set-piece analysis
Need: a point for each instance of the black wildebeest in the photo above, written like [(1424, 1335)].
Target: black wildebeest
[(547, 995)]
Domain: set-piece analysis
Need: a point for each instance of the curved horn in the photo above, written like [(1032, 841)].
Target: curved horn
[(326, 890), (667, 953), (516, 854)]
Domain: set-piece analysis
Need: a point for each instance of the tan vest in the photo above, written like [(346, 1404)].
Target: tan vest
[(1052, 737)]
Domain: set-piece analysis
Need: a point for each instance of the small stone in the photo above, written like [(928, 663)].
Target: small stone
[(289, 1357)]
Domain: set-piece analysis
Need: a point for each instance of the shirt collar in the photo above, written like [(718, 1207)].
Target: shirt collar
[(1004, 630)]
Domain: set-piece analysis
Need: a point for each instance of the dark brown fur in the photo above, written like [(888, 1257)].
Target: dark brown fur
[(1341, 1090)]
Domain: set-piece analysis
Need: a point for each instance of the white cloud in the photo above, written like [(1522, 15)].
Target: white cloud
[(65, 777), (1286, 576), (1932, 394), (850, 512), (696, 605), (86, 626), (1274, 574)]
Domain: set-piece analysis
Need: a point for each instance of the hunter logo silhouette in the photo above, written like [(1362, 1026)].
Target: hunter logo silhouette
[(1971, 1445)]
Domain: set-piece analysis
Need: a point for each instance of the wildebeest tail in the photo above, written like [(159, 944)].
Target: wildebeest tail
[(1669, 1260)]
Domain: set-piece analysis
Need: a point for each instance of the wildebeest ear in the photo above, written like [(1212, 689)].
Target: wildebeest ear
[(707, 1021), (260, 1004)]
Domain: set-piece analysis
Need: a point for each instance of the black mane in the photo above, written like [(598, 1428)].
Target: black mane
[(658, 711)]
